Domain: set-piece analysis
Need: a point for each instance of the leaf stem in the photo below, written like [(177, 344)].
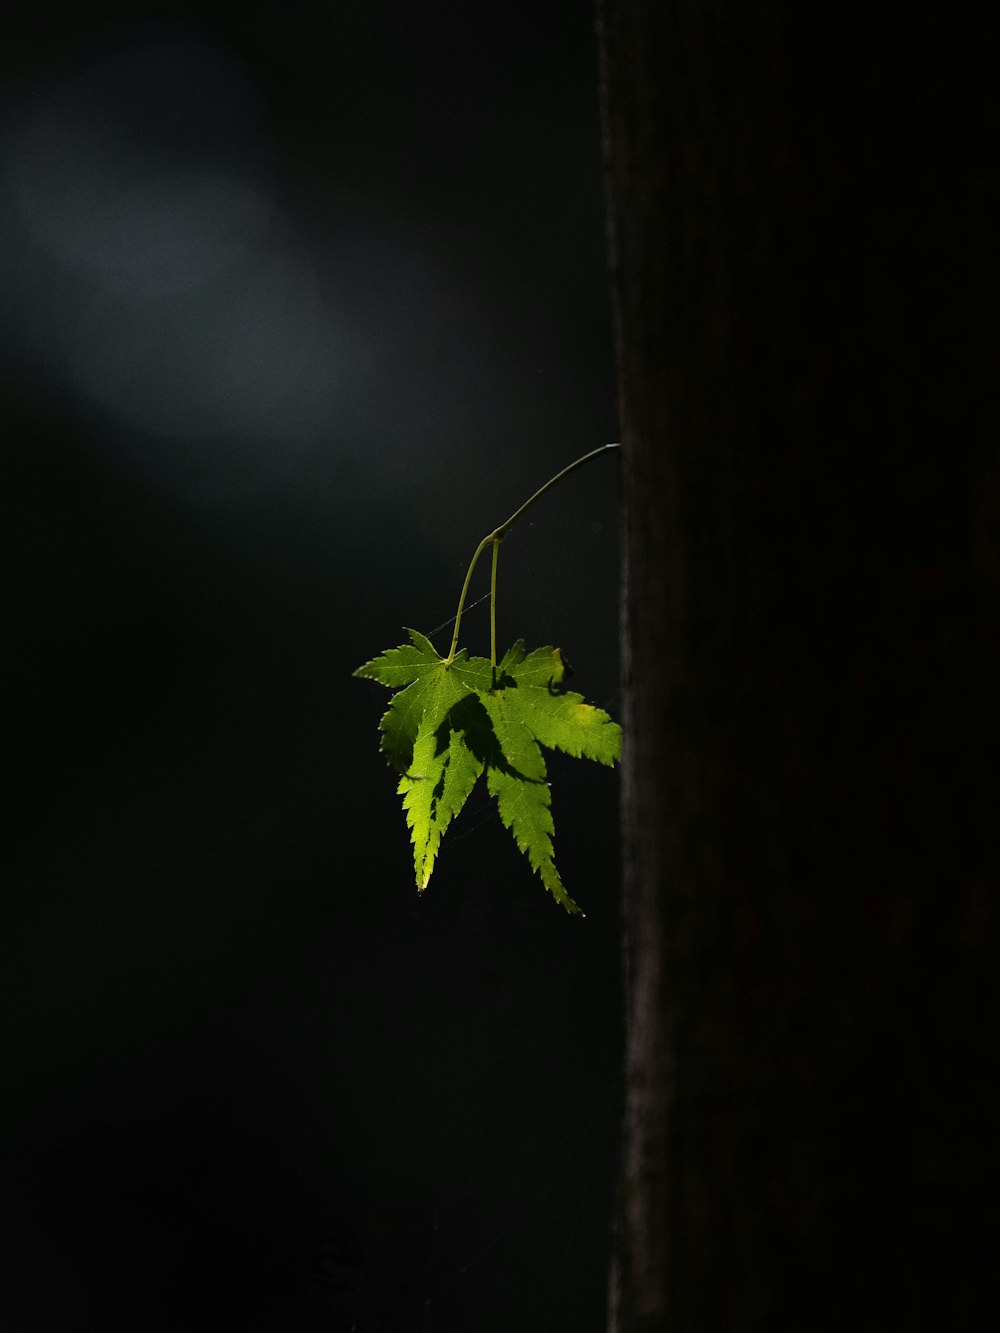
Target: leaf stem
[(461, 601), (496, 537), (504, 528), (493, 602)]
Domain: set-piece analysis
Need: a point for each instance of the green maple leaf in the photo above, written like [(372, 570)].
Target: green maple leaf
[(443, 773), (427, 689), (450, 721)]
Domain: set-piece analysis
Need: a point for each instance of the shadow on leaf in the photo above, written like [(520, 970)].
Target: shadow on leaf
[(470, 718)]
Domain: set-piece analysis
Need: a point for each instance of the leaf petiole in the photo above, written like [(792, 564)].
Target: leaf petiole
[(496, 537), (493, 605)]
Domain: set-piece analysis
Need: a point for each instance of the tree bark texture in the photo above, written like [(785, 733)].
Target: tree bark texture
[(804, 210)]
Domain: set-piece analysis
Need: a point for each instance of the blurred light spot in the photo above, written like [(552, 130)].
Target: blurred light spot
[(145, 178), (249, 352), (133, 172)]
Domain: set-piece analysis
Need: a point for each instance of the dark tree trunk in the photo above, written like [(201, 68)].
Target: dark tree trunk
[(804, 208)]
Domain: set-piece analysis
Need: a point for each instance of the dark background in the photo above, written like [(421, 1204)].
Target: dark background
[(295, 307)]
